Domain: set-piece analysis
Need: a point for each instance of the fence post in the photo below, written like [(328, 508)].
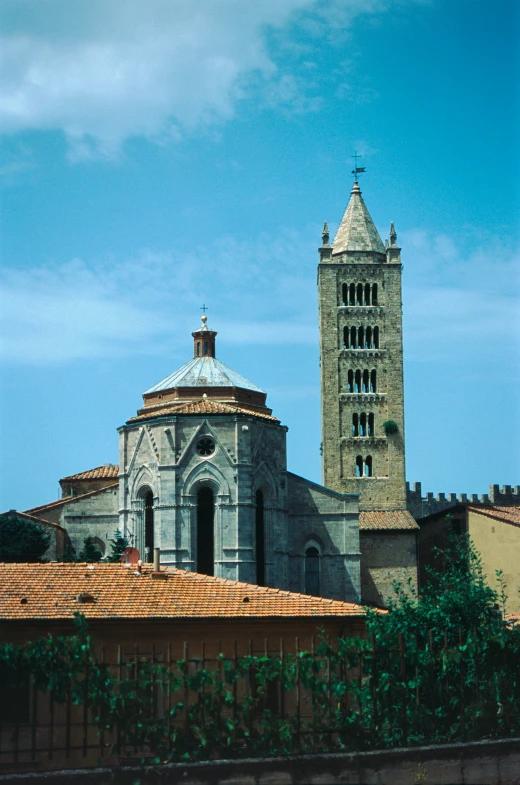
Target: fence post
[(402, 670), (186, 692)]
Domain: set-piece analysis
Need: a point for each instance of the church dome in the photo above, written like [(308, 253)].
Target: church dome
[(204, 382)]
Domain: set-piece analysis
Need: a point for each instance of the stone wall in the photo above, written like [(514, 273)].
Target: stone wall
[(386, 556), (385, 489), (423, 505), (329, 521), (94, 516), (483, 762)]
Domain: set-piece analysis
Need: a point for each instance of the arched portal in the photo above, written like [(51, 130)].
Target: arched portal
[(260, 538), (205, 536)]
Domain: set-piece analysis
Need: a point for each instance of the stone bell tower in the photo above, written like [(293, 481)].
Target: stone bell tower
[(360, 314)]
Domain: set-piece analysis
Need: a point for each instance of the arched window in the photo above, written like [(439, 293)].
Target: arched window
[(359, 294), (148, 526), (206, 348), (198, 348), (352, 294), (344, 294), (361, 338), (312, 571), (205, 516), (368, 343), (373, 387), (357, 384), (370, 425), (374, 294), (355, 424), (362, 424), (260, 539), (345, 338), (376, 337), (368, 466), (359, 466), (350, 381), (364, 387), (367, 294), (353, 337)]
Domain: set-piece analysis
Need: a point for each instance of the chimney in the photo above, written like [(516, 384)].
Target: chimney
[(156, 572)]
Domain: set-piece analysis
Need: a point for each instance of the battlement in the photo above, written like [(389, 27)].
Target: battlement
[(420, 506)]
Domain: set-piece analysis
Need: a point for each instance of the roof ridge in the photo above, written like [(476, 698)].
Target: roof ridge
[(68, 499)]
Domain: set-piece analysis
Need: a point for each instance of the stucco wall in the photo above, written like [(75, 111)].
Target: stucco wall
[(498, 543)]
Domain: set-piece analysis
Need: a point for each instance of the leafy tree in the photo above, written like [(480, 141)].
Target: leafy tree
[(21, 540), (456, 597), (117, 546), (90, 552)]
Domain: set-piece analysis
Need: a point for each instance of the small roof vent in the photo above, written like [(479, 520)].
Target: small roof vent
[(85, 597)]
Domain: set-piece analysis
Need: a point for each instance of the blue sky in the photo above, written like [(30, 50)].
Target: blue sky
[(161, 155)]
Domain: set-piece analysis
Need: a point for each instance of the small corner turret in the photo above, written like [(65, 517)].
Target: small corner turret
[(325, 250), (393, 251)]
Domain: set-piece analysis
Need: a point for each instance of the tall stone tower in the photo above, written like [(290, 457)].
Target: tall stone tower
[(360, 313)]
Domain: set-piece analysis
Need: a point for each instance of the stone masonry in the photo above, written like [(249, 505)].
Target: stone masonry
[(360, 313)]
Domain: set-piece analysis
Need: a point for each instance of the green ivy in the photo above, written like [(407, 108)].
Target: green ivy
[(442, 667)]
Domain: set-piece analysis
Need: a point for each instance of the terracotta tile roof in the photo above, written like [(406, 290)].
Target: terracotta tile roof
[(201, 407), (386, 519), (32, 518), (108, 470), (51, 592), (513, 618), (69, 499), (509, 514)]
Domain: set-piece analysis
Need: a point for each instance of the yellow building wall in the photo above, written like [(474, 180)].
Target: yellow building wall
[(498, 543)]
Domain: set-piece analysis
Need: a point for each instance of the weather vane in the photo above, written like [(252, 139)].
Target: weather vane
[(357, 169)]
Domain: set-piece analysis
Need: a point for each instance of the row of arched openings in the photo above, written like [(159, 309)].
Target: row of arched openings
[(364, 466), (205, 539), (205, 348), (359, 294), (362, 424), (361, 337), (362, 382)]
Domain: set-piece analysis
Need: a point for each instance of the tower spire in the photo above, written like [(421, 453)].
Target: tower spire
[(357, 231)]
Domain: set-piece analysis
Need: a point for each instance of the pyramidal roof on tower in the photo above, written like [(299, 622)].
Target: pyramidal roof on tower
[(357, 231)]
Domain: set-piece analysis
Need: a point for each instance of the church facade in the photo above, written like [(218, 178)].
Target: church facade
[(202, 471)]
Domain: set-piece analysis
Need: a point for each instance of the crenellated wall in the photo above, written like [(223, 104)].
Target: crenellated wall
[(420, 506)]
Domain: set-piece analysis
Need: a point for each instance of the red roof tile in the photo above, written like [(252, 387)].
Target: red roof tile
[(386, 519), (204, 406), (118, 592), (509, 514), (108, 470)]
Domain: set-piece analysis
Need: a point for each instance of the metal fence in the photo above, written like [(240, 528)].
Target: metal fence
[(275, 698)]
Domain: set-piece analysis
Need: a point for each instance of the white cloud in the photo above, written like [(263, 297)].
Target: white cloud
[(103, 71), (461, 298), (458, 304), (53, 314)]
